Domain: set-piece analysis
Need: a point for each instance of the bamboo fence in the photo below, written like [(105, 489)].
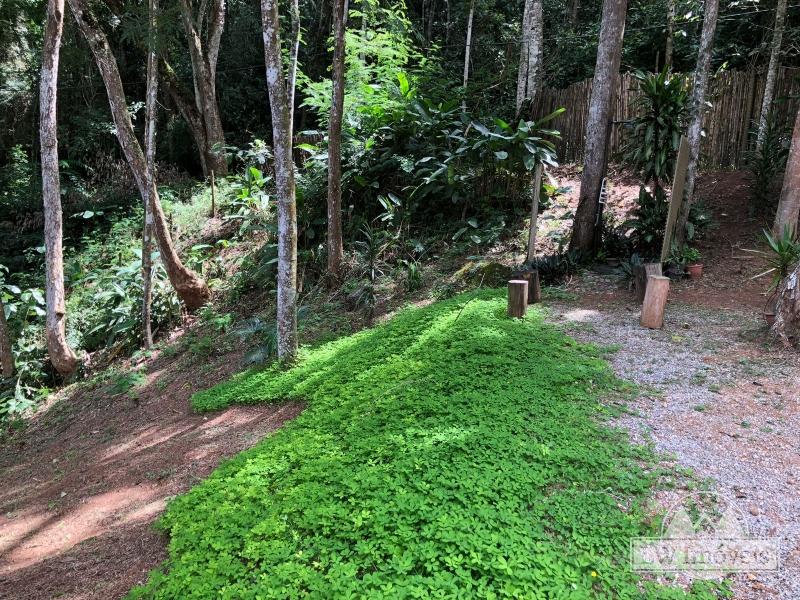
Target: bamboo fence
[(735, 98)]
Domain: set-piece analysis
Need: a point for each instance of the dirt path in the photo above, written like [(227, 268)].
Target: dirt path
[(81, 487)]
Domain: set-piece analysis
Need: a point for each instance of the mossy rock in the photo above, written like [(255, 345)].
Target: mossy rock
[(483, 272)]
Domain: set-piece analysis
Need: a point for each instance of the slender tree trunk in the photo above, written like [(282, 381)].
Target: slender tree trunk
[(772, 72), (6, 353), (293, 57), (61, 355), (789, 204), (335, 243), (530, 56), (694, 135), (601, 108), (203, 55), (537, 190), (284, 179), (188, 285), (573, 13), (468, 45), (150, 165), (670, 33)]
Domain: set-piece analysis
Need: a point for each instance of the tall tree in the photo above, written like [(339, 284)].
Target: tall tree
[(203, 26), (61, 354), (772, 71), (789, 204), (150, 166), (293, 60), (606, 71), (191, 289), (530, 56), (335, 242), (695, 133), (284, 180), (6, 353), (670, 33), (468, 44)]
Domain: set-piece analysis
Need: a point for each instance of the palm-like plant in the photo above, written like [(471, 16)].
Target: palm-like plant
[(783, 255), (657, 131)]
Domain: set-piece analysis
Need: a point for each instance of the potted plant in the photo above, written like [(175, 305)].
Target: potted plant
[(783, 254), (694, 267)]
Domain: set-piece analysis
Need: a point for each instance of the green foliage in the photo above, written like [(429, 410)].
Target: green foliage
[(783, 255), (648, 222), (682, 257), (415, 472), (376, 57), (19, 189), (105, 279), (555, 268), (127, 383), (766, 165), (656, 133)]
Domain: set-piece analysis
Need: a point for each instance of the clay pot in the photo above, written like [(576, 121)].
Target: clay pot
[(769, 317), (695, 271)]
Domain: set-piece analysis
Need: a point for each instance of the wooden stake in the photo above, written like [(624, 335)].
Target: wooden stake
[(517, 298), (678, 183), (655, 299)]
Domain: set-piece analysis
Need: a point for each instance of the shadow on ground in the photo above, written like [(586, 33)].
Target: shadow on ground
[(80, 488)]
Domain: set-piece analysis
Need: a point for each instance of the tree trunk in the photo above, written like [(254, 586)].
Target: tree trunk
[(530, 56), (670, 33), (573, 13), (293, 57), (468, 45), (694, 135), (772, 72), (335, 243), (188, 285), (150, 165), (6, 353), (789, 204), (530, 259), (609, 53), (61, 355), (284, 180), (203, 55)]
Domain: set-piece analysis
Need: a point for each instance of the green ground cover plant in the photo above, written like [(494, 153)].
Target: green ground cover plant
[(448, 453)]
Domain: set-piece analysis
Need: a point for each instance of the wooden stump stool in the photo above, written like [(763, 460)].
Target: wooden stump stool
[(517, 298), (640, 276), (655, 299), (534, 288)]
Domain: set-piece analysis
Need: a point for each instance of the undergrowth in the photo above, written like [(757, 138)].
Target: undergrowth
[(451, 452)]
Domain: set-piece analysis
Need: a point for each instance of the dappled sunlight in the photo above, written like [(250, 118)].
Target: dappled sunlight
[(581, 315), (148, 438), (23, 541)]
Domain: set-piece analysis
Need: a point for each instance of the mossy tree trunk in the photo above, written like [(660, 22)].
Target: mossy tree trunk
[(284, 180)]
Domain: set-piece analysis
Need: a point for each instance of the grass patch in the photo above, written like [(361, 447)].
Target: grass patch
[(451, 452)]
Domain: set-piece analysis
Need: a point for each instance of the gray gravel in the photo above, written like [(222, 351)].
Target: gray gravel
[(718, 398)]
